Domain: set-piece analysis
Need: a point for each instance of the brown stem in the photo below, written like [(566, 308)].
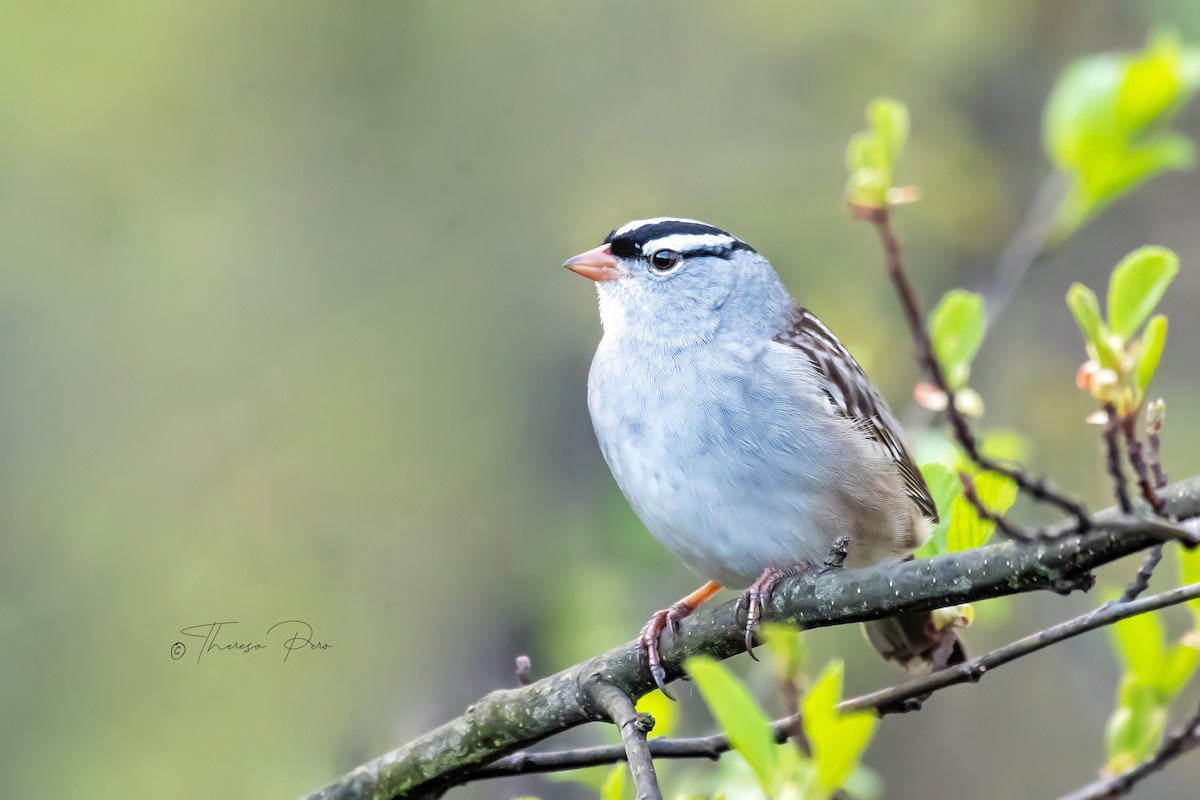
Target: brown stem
[(618, 708), (1154, 421), (1112, 452), (1002, 524), (1035, 487), (1133, 446)]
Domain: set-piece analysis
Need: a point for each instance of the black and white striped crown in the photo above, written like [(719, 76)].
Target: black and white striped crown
[(687, 236)]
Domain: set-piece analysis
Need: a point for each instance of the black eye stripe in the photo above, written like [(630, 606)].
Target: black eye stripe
[(631, 243), (719, 251)]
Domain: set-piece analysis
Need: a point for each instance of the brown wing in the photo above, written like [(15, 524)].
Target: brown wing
[(854, 397)]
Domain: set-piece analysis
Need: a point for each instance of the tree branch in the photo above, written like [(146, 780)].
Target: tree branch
[(619, 709), (510, 719), (893, 700)]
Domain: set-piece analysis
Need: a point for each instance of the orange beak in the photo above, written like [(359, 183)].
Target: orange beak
[(597, 265)]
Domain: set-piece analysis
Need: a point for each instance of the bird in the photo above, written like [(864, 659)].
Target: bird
[(743, 434)]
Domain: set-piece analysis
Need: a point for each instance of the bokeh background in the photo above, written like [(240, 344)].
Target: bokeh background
[(283, 336)]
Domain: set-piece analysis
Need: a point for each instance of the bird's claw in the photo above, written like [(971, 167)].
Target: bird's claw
[(648, 653), (758, 597)]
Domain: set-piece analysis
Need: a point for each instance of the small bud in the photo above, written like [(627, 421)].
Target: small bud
[(902, 195), (1106, 387), (953, 617), (1102, 378), (1156, 414), (968, 401), (930, 397), (1083, 377), (524, 670)]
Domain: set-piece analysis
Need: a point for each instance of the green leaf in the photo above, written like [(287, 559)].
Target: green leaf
[(1086, 309), (943, 487), (1189, 573), (664, 711), (820, 704), (838, 740), (839, 756), (1136, 726), (967, 529), (1157, 82), (1104, 124), (1080, 109), (956, 326), (864, 784), (1136, 286), (1153, 340), (867, 187), (795, 777), (1139, 642), (1178, 669), (996, 492), (889, 119), (866, 152), (614, 784), (743, 721), (786, 645)]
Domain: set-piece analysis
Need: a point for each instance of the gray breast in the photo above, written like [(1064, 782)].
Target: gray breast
[(721, 457)]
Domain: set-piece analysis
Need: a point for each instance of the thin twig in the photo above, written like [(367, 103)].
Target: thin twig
[(1179, 741), (1141, 579), (1160, 528), (1112, 458), (1154, 422), (1003, 525), (1026, 247), (1133, 446), (893, 700), (619, 709), (1037, 488), (524, 670)]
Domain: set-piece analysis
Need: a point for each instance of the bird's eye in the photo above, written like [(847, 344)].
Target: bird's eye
[(663, 260)]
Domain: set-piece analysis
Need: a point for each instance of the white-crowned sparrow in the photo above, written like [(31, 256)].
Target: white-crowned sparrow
[(744, 435)]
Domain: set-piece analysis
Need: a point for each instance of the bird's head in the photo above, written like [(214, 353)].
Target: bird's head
[(678, 280)]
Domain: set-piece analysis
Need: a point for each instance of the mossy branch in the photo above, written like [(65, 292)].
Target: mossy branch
[(510, 719)]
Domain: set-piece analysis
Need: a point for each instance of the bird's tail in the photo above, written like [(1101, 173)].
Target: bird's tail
[(921, 640)]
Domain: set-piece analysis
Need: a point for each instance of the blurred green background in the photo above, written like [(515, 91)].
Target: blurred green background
[(283, 336)]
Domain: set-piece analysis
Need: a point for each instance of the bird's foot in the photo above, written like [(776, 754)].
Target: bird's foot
[(758, 597), (647, 640)]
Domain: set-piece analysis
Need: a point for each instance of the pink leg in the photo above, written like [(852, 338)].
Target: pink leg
[(758, 597), (648, 639)]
